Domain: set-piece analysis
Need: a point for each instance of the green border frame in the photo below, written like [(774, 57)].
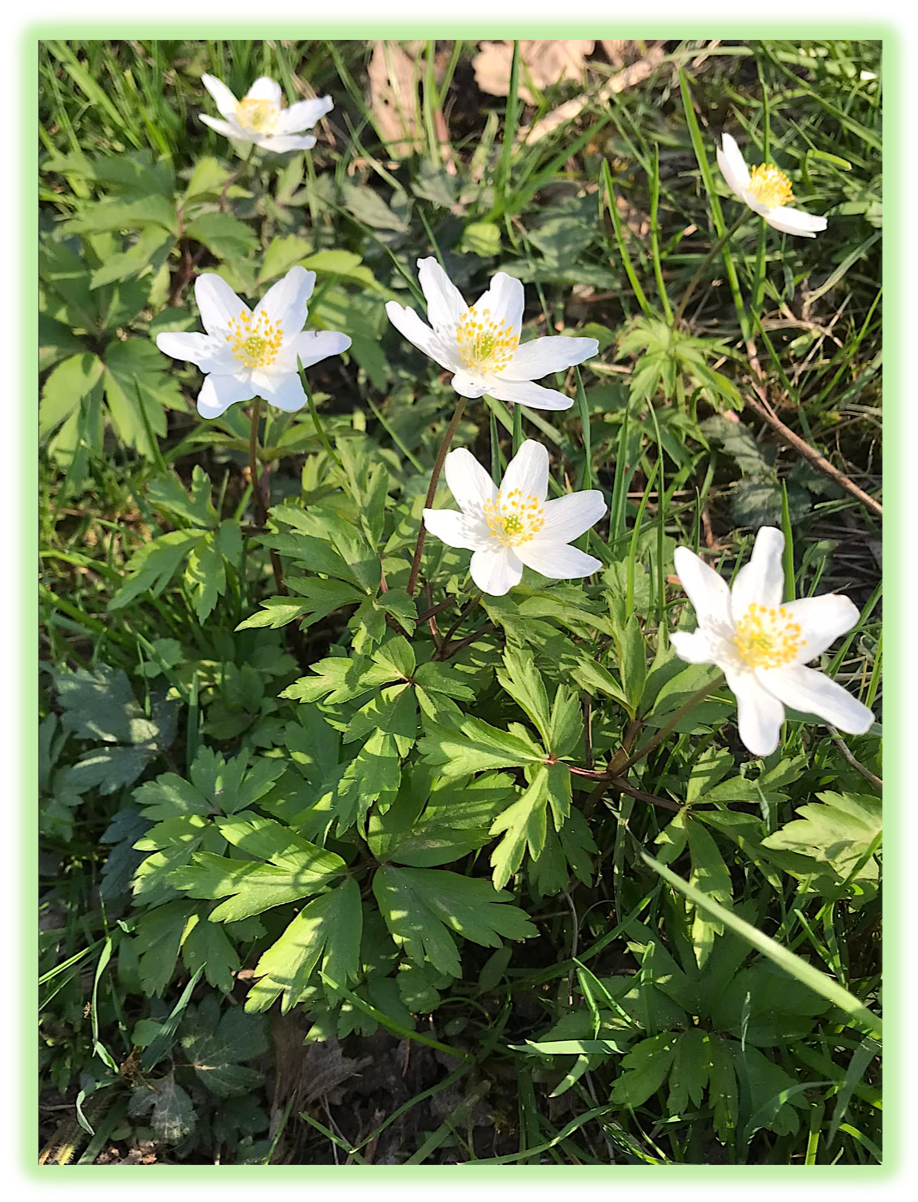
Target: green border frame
[(894, 536)]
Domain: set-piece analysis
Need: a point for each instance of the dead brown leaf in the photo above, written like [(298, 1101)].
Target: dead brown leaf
[(542, 63)]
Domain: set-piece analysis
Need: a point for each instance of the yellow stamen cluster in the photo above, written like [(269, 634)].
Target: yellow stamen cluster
[(255, 342), (770, 186), (485, 344), (768, 638), (257, 116), (514, 518)]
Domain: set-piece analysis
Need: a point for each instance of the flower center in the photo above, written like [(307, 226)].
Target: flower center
[(770, 186), (257, 116), (255, 343), (768, 638), (485, 344), (514, 518)]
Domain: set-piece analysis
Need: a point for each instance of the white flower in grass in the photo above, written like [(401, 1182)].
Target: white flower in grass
[(763, 646), (249, 353), (766, 191), (260, 116), (481, 344), (514, 525)]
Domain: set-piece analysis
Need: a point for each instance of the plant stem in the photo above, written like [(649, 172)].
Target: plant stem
[(261, 504), (432, 492), (253, 464), (696, 697)]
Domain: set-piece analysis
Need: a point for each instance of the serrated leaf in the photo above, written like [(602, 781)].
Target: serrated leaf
[(421, 906), (710, 875), (321, 597), (288, 868), (644, 1069), (473, 745), (328, 929), (152, 567)]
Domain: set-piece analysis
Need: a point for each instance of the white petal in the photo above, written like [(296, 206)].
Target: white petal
[(407, 322), (733, 166), (469, 385), (813, 692), (457, 529), (520, 393), (761, 580), (303, 115), (822, 620), (265, 89), (286, 302), (708, 592), (219, 392), (228, 128), (283, 391), (223, 97), (496, 572), (468, 481), (527, 471), (694, 648), (505, 300), (444, 300), (282, 143), (794, 221), (568, 517), (217, 302), (759, 713), (556, 560), (542, 356), (312, 346), (199, 349)]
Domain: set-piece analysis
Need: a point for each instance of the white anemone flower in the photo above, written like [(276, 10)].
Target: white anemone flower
[(514, 525), (248, 353), (261, 117), (763, 646), (481, 344), (766, 191)]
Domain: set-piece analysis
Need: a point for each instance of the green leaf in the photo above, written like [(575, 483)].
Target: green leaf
[(129, 366), (523, 681), (120, 215), (428, 826), (206, 946), (288, 868), (524, 823), (322, 597), (328, 929), (723, 1090), (167, 492), (797, 967), (171, 1109), (159, 934), (645, 1068), (65, 387), (373, 776), (217, 785), (710, 875), (148, 253), (222, 234), (152, 567), (394, 711), (422, 905), (471, 745), (338, 680), (837, 830), (691, 1068), (215, 1045)]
